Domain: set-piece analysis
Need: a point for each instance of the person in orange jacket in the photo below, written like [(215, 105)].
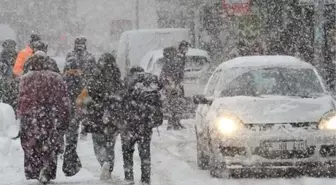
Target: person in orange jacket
[(24, 55)]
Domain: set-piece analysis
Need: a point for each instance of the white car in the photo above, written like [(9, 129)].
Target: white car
[(196, 69), (266, 112)]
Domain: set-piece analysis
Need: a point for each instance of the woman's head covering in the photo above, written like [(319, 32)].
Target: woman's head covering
[(37, 61), (40, 46), (169, 52), (108, 65), (9, 44)]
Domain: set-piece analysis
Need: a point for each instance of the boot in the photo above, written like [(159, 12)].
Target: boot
[(170, 126), (128, 182), (180, 125), (43, 178), (105, 173), (143, 183)]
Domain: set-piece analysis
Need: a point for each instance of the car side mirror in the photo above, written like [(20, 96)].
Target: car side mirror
[(201, 99)]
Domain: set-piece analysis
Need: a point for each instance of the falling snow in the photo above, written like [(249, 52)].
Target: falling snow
[(168, 92)]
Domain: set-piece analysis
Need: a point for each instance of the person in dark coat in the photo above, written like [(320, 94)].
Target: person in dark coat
[(8, 55), (143, 112), (78, 68), (85, 59), (172, 78), (44, 112), (8, 85), (105, 90)]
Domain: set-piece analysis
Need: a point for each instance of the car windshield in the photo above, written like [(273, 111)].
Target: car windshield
[(274, 81)]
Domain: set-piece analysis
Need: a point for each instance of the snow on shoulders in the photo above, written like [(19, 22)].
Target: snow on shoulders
[(265, 61), (40, 53)]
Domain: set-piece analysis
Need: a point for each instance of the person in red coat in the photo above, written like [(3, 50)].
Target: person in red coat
[(43, 108)]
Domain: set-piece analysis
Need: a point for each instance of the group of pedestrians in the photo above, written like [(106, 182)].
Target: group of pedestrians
[(89, 96)]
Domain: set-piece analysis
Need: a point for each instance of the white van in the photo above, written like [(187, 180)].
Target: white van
[(134, 44)]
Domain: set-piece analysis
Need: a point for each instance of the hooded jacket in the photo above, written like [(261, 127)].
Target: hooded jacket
[(21, 59), (105, 90)]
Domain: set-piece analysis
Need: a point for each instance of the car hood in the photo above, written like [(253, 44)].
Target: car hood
[(273, 109)]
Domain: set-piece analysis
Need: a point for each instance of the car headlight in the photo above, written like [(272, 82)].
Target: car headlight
[(228, 124), (328, 121)]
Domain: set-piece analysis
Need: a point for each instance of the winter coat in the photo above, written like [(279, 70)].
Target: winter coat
[(85, 61), (43, 107), (8, 91), (50, 64), (81, 64), (43, 89), (173, 68), (172, 76), (8, 57), (331, 76), (21, 59), (105, 90), (8, 85), (143, 105)]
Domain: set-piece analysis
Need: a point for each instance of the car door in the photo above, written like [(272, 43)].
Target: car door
[(202, 110)]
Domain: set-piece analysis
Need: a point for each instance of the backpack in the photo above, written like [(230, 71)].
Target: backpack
[(144, 105)]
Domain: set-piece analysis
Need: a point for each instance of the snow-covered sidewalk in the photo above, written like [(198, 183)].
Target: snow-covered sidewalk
[(173, 163)]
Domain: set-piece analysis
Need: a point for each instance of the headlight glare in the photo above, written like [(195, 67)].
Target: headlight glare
[(228, 124), (328, 122)]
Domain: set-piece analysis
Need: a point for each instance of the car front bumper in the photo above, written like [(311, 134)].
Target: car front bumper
[(245, 149)]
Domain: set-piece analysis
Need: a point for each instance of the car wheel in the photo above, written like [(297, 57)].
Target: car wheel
[(202, 157), (217, 168), (332, 170)]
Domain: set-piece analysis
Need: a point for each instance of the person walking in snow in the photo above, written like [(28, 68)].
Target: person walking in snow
[(78, 68), (41, 48), (8, 85), (43, 109), (171, 77), (8, 55), (143, 112), (24, 55), (105, 89)]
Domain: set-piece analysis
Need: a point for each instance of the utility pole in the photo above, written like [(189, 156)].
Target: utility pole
[(137, 18), (318, 35)]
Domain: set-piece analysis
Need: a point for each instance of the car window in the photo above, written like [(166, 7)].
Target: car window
[(157, 66), (212, 83), (195, 63), (274, 81), (150, 63)]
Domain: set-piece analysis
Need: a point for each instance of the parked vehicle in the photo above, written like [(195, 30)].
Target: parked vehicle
[(133, 45), (196, 71)]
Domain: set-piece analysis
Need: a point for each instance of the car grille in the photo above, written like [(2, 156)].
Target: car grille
[(284, 154), (275, 126), (328, 150)]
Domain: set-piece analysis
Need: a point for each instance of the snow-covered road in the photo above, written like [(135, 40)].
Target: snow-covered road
[(173, 163)]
